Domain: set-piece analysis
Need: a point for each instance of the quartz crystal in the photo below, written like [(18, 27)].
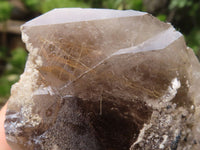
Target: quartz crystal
[(100, 79)]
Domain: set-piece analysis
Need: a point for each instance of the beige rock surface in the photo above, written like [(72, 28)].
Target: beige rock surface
[(100, 79)]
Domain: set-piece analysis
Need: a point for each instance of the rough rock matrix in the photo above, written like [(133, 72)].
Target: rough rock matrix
[(98, 79)]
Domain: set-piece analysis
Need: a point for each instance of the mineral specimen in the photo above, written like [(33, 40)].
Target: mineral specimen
[(99, 79)]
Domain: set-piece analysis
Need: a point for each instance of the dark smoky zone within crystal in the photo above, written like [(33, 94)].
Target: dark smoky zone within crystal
[(116, 122)]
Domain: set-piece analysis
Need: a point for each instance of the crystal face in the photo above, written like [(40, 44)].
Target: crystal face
[(99, 79)]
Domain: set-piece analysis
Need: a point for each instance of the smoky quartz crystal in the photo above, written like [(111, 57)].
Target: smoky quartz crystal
[(100, 79)]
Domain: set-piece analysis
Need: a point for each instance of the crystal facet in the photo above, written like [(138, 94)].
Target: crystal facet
[(99, 79)]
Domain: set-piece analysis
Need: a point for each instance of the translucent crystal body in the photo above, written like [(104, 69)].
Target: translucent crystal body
[(98, 79)]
